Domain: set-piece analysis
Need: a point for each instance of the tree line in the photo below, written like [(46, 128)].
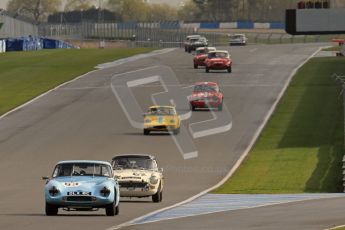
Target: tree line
[(139, 10)]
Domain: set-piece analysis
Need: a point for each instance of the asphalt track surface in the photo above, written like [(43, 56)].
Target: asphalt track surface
[(83, 120), (307, 215)]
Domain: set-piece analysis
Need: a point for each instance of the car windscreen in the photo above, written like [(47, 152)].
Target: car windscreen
[(163, 111), (120, 163), (82, 169), (201, 51), (205, 88), (237, 37), (193, 40), (218, 55)]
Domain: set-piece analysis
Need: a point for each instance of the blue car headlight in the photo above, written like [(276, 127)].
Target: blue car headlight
[(53, 191), (105, 191)]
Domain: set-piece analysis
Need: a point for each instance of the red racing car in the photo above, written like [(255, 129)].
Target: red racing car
[(201, 55), (218, 60), (206, 95)]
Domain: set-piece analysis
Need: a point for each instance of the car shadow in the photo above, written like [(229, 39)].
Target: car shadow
[(207, 110), (151, 134), (62, 214), (23, 214), (219, 72), (135, 201)]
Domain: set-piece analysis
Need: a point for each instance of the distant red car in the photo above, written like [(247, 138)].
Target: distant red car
[(201, 55), (206, 95), (218, 60)]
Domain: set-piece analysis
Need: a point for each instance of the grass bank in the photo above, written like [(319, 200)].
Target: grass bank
[(301, 148), (25, 75)]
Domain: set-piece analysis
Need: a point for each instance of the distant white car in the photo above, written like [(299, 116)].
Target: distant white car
[(188, 41), (138, 176), (238, 39)]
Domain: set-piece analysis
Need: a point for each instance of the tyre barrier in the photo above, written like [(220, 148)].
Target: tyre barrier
[(33, 43)]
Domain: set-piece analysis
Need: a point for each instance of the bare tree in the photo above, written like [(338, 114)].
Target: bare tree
[(130, 10), (38, 10), (161, 12), (78, 5), (189, 12)]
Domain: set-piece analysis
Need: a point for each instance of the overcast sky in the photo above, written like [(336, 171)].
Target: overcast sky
[(3, 4)]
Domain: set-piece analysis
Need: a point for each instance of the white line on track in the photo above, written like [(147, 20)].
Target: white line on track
[(215, 203), (223, 205), (239, 161)]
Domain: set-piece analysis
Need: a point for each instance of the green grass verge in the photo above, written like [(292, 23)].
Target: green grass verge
[(25, 75), (334, 48), (301, 148)]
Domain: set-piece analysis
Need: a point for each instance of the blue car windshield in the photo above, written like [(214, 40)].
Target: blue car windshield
[(82, 169)]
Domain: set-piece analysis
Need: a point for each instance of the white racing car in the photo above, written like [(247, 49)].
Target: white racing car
[(138, 176)]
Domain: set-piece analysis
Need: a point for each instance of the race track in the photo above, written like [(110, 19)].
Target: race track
[(83, 120), (307, 215)]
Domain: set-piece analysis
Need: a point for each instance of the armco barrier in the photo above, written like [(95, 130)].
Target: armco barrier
[(228, 25), (209, 25), (235, 25), (259, 25), (245, 25), (191, 25), (173, 25), (277, 25), (149, 25), (127, 25)]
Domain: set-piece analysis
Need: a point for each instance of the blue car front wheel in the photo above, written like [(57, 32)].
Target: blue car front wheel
[(112, 209), (51, 210)]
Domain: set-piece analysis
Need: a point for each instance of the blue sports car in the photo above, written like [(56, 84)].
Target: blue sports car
[(82, 186)]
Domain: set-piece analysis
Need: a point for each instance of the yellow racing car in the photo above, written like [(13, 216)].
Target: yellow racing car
[(162, 118)]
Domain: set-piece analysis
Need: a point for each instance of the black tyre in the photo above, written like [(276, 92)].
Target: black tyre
[(117, 210), (230, 69), (51, 210), (220, 107), (195, 66), (176, 131), (207, 70), (156, 198), (161, 196), (112, 209), (146, 132), (193, 108)]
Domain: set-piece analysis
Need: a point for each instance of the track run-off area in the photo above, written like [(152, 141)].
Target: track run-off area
[(83, 120)]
